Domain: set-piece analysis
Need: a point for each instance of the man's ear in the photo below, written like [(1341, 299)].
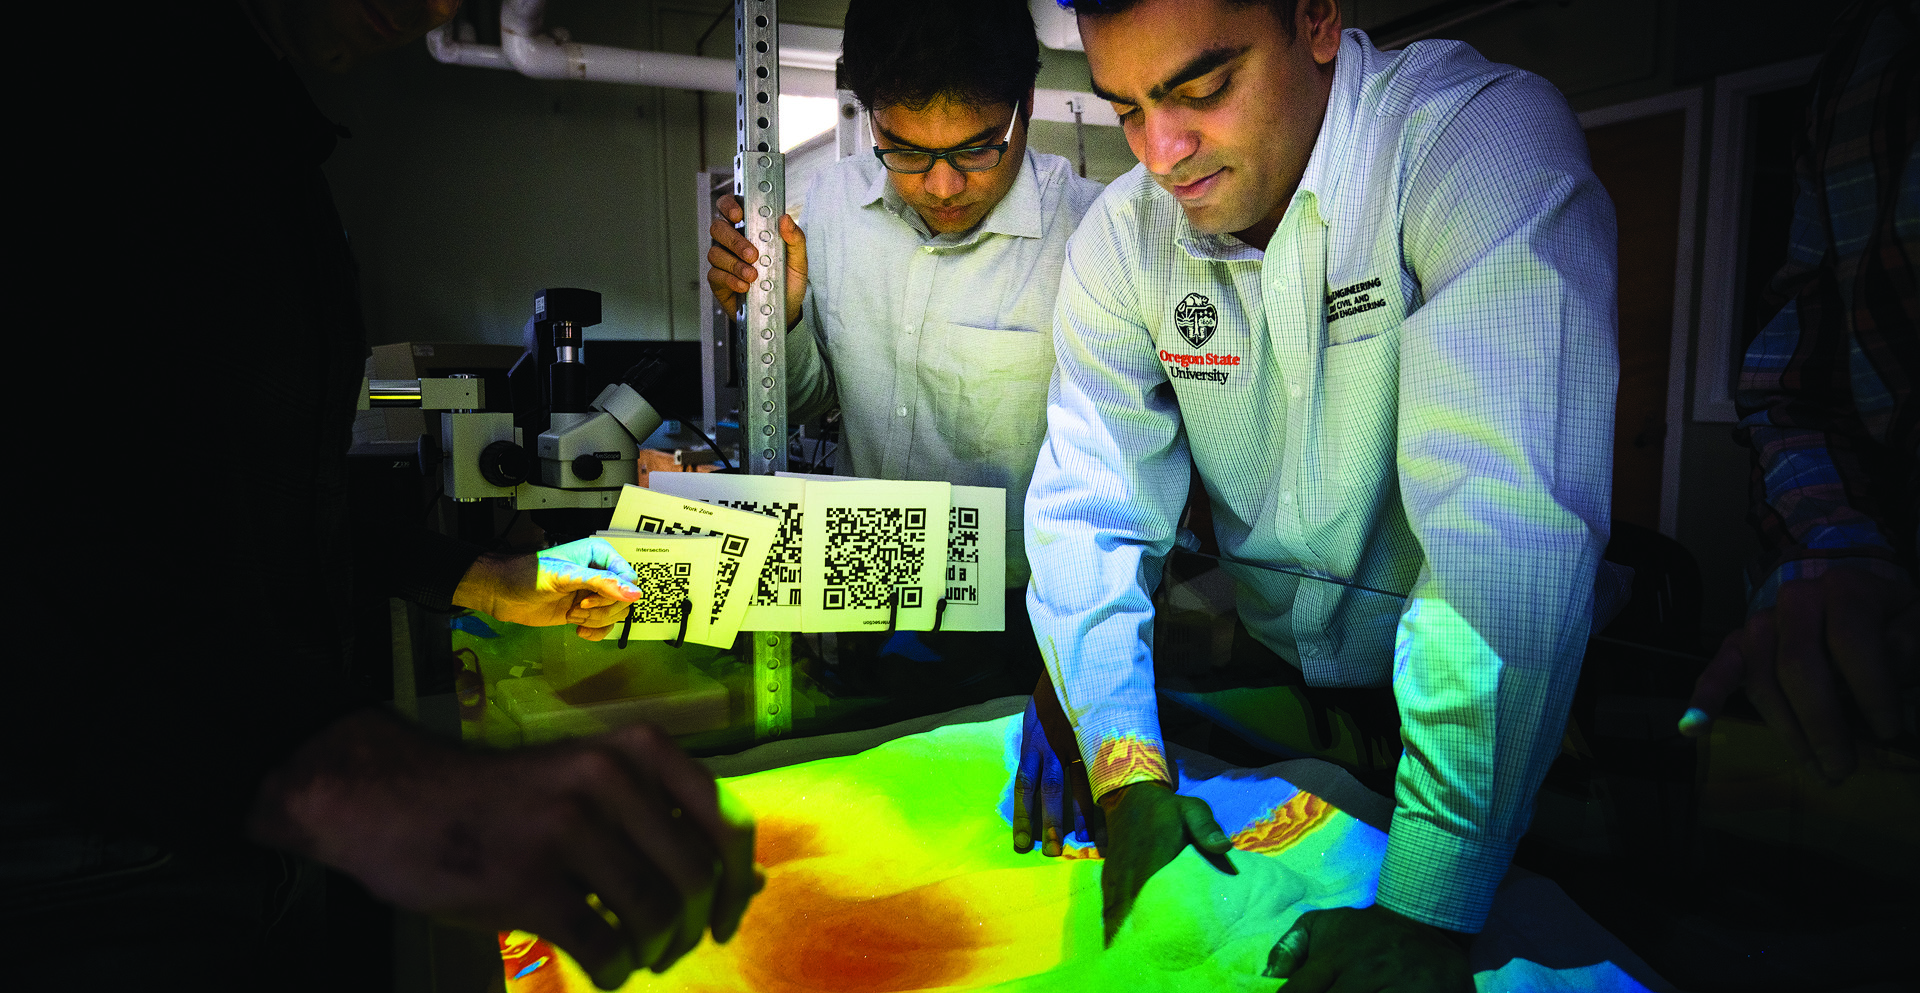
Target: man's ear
[(1318, 21)]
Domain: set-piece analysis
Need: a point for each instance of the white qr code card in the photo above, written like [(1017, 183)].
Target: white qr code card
[(775, 604), (976, 560), (676, 585), (744, 537), (976, 556), (876, 552)]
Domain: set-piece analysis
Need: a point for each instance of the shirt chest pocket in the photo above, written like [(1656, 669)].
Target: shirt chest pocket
[(989, 387), (1359, 409)]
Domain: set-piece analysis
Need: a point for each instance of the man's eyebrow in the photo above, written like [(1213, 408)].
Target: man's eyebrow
[(1198, 66), (978, 137), (1101, 92)]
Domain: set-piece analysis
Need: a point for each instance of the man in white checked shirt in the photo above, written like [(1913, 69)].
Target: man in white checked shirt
[(920, 296), (1370, 297)]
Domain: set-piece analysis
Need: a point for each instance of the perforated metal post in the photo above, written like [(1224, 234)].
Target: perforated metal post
[(772, 683), (760, 183)]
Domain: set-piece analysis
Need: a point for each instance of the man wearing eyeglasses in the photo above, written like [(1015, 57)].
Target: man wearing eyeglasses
[(920, 296)]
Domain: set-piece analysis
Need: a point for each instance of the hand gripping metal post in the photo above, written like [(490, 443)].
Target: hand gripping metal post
[(759, 183)]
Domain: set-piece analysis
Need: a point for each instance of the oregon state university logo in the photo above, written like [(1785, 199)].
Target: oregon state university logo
[(1195, 317)]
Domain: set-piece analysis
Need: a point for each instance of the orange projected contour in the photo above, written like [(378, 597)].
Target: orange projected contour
[(532, 964), (1127, 760), (1287, 824)]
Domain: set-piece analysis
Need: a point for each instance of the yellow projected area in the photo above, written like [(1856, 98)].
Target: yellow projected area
[(893, 870)]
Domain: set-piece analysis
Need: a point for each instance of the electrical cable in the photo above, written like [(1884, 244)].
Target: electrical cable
[(717, 453), (648, 371)]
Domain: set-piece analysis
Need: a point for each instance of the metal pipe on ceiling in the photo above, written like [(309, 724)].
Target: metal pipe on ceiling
[(528, 48)]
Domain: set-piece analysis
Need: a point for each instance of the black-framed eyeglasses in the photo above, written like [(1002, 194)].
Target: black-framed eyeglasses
[(973, 158)]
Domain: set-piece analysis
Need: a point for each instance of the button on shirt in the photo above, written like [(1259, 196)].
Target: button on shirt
[(1410, 389), (938, 348)]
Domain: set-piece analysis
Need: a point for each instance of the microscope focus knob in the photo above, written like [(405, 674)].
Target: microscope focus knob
[(587, 467), (505, 464)]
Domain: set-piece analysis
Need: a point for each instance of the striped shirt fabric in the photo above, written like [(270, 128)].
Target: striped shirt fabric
[(937, 348), (1410, 388), (1826, 389)]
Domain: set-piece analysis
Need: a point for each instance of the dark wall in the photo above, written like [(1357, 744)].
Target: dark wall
[(465, 190)]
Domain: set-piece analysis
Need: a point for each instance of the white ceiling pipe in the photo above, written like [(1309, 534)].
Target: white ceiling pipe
[(803, 46), (542, 56), (817, 48), (1058, 29), (464, 51), (807, 55)]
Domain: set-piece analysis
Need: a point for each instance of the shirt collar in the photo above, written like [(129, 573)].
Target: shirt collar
[(1017, 214), (1214, 247), (1325, 167)]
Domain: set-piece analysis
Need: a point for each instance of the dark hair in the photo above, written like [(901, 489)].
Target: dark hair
[(978, 52), (1285, 10)]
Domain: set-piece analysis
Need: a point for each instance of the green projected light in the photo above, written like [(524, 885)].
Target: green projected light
[(893, 871)]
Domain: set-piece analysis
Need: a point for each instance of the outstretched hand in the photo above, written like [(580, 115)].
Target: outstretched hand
[(1367, 950), (1050, 789), (1844, 634), (584, 583), (1147, 826), (620, 849)]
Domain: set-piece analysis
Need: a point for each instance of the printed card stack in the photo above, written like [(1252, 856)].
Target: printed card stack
[(719, 546), (676, 586), (840, 554)]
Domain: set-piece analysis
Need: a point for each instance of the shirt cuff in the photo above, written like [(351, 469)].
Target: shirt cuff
[(1440, 879), (1125, 760)]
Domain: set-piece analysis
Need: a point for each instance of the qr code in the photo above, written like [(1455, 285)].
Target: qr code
[(732, 547), (963, 555), (872, 551), (664, 586), (780, 579)]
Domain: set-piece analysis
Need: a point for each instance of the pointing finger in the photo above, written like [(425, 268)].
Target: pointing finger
[(1726, 673)]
